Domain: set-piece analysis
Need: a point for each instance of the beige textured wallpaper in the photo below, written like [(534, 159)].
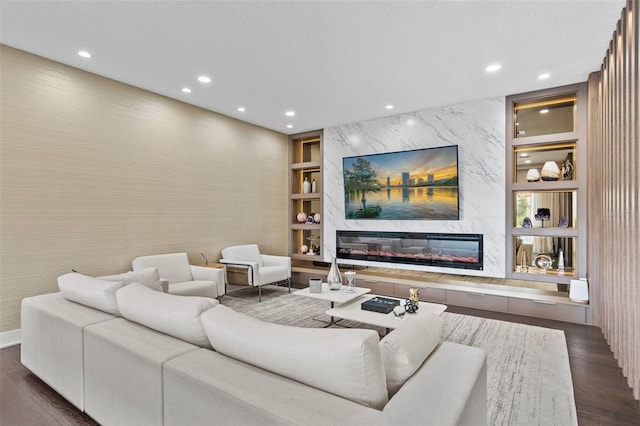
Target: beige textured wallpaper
[(95, 172)]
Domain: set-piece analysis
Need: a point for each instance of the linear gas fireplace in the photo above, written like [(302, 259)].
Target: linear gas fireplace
[(462, 251)]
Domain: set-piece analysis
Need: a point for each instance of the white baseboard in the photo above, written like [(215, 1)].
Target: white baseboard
[(9, 338)]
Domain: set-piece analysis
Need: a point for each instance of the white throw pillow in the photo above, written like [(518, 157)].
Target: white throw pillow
[(89, 291), (177, 316), (405, 348), (148, 277), (344, 362)]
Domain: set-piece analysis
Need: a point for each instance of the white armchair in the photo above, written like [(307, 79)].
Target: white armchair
[(262, 269), (184, 279)]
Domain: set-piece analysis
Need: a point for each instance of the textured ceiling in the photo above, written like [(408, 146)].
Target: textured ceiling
[(332, 62)]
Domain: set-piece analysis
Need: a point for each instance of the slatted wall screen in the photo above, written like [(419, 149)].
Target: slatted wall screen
[(614, 187)]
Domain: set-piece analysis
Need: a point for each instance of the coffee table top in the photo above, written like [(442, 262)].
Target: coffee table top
[(353, 312), (336, 296)]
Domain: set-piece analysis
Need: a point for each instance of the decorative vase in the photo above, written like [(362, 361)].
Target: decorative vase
[(316, 218), (301, 217), (306, 186), (334, 279), (533, 175), (314, 186), (561, 263), (550, 171), (304, 249)]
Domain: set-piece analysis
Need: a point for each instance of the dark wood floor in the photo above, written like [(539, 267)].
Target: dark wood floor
[(601, 393)]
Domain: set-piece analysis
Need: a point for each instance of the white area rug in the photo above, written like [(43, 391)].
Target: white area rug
[(528, 376)]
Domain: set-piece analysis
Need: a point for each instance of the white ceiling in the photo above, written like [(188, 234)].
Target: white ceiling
[(332, 62)]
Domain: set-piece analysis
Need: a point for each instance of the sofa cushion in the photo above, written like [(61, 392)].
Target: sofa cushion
[(344, 362), (148, 277), (405, 349), (89, 291), (177, 316)]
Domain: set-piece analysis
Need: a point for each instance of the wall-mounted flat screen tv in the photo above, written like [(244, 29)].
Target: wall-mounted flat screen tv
[(420, 184)]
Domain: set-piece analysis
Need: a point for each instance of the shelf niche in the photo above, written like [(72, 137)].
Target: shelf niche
[(305, 164), (546, 132)]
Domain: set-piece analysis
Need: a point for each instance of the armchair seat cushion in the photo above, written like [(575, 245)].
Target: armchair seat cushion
[(271, 274), (195, 288)]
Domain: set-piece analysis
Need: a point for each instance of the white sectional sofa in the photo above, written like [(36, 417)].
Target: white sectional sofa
[(163, 359)]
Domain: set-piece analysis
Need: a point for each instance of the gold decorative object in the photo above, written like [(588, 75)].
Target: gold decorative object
[(413, 294)]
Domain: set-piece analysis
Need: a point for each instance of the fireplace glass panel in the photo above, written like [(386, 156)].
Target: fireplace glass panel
[(445, 250)]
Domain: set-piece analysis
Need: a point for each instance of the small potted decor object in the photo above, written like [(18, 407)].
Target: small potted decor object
[(301, 217), (310, 219)]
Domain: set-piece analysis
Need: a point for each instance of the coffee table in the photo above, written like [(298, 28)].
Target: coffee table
[(352, 311), (334, 296)]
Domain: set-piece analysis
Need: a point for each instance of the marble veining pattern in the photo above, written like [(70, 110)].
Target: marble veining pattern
[(478, 128)]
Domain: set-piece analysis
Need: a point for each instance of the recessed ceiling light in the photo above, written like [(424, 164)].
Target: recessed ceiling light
[(389, 107), (544, 76), (493, 68), (524, 155), (290, 113), (204, 79), (241, 109), (186, 90), (289, 126), (527, 161), (544, 111), (85, 54)]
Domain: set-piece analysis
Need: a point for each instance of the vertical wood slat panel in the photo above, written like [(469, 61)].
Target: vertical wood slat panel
[(614, 186)]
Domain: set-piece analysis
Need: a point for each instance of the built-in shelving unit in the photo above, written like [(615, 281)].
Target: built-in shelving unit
[(305, 165), (546, 160)]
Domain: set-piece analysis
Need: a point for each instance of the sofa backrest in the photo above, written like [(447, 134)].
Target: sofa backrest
[(177, 316), (344, 362)]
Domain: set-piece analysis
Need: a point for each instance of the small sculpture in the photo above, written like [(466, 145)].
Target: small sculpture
[(413, 294), (563, 223), (411, 306), (543, 214)]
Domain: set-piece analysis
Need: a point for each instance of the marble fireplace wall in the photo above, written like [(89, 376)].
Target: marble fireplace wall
[(478, 128)]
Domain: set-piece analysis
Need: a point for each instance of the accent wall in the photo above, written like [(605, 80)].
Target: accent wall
[(95, 173), (478, 128)]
